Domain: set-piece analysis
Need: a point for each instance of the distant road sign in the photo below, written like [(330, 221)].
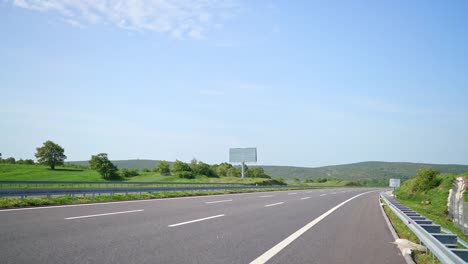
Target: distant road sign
[(395, 183), (243, 155)]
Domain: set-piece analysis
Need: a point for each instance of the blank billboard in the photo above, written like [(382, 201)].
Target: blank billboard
[(243, 155)]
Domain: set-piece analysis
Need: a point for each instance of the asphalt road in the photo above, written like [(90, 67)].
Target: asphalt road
[(315, 226)]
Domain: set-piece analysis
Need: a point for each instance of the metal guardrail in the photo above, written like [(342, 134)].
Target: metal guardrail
[(428, 233), (50, 188), (73, 191)]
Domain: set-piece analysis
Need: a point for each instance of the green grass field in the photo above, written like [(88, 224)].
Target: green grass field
[(15, 172)]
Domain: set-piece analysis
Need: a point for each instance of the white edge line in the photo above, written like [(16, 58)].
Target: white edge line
[(291, 193), (281, 245), (221, 201), (265, 196), (135, 201), (87, 216), (268, 205), (407, 257), (322, 194), (196, 220), (305, 198)]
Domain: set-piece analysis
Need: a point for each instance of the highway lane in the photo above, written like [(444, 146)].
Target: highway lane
[(210, 229)]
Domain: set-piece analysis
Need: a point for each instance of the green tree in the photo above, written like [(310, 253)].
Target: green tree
[(163, 168), (51, 154), (104, 166)]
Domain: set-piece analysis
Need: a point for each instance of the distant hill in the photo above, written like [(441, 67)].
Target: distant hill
[(370, 170)]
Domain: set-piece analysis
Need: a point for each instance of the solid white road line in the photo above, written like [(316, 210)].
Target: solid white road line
[(305, 198), (268, 205), (133, 201), (87, 216), (281, 245), (222, 201), (196, 220), (323, 194), (265, 196), (291, 193)]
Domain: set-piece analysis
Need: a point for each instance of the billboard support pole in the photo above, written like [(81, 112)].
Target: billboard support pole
[(243, 170)]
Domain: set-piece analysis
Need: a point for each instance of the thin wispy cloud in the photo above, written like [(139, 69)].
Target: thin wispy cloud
[(177, 18)]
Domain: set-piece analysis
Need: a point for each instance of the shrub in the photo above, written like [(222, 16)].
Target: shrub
[(321, 180), (426, 179), (29, 162), (185, 175), (233, 172), (9, 160), (272, 182), (223, 169), (128, 173), (163, 167), (180, 166), (257, 172), (201, 168)]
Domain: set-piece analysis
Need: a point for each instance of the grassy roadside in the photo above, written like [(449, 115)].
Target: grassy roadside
[(431, 203), (405, 233), (63, 200)]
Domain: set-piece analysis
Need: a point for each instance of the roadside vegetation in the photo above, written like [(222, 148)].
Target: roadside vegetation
[(427, 194), (17, 172), (51, 167)]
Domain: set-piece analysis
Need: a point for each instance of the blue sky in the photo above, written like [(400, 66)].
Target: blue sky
[(309, 83)]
